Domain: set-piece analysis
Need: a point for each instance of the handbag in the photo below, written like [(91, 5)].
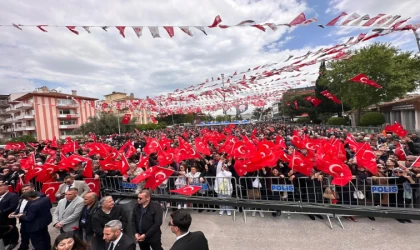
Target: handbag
[(358, 195), (254, 194)]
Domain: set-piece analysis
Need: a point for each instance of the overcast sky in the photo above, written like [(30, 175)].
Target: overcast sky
[(101, 62)]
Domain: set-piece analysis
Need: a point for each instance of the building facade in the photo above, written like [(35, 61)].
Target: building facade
[(119, 103), (46, 114)]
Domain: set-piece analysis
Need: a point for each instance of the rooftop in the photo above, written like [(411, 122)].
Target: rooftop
[(44, 91)]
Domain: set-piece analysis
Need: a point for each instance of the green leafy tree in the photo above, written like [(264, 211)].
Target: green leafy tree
[(105, 124), (23, 138), (256, 114), (397, 72)]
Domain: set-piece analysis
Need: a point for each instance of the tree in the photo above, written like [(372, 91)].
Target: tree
[(397, 72), (105, 124), (24, 138), (327, 106), (256, 114)]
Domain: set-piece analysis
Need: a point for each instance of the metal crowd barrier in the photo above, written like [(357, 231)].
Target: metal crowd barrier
[(373, 196), (209, 188)]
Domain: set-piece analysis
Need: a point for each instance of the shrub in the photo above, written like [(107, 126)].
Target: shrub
[(150, 126), (336, 121), (372, 119), (23, 138), (303, 120)]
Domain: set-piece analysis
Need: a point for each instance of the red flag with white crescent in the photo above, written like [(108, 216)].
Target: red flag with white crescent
[(94, 185), (49, 189), (217, 21), (187, 190), (298, 20), (362, 78), (335, 20), (126, 119), (159, 176)]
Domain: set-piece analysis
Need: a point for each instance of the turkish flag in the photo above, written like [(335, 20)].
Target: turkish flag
[(397, 129), (109, 165), (54, 143), (301, 163), (361, 78), (416, 163), (354, 145), (96, 148), (296, 105), (297, 141), (330, 96), (366, 158), (28, 162), (216, 22), (240, 150), (49, 189), (400, 153), (126, 119), (280, 142), (15, 146), (94, 185), (48, 151), (241, 167), (144, 162), (298, 20), (202, 147), (112, 155), (127, 149), (334, 167), (334, 21), (187, 190), (159, 176), (166, 157), (315, 101), (143, 176), (152, 146)]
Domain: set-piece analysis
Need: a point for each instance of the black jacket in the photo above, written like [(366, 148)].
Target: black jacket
[(99, 219), (89, 214), (193, 240), (151, 222), (8, 205), (38, 215), (125, 243), (26, 207)]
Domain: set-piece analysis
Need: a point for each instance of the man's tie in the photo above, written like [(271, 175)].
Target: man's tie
[(111, 246)]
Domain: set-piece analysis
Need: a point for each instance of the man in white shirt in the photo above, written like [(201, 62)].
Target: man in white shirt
[(115, 239)]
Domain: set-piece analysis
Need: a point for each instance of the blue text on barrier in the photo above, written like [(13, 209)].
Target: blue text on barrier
[(384, 189), (283, 188)]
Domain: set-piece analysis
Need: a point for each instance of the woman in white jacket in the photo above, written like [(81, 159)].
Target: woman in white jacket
[(223, 187)]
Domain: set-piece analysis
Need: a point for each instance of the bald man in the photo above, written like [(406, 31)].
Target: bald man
[(90, 207)]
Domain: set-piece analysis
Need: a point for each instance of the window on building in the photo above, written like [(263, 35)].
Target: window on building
[(68, 122), (64, 111), (65, 101)]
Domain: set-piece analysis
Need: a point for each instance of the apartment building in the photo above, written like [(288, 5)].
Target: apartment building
[(120, 103), (45, 113)]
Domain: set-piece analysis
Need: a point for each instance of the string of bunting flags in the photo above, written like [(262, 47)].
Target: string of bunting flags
[(170, 29)]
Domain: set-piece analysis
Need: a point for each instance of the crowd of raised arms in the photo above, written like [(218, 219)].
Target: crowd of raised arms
[(245, 154)]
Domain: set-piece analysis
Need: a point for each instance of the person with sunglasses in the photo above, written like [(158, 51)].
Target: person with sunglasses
[(180, 224), (146, 221)]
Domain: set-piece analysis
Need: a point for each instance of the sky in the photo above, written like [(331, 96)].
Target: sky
[(98, 63)]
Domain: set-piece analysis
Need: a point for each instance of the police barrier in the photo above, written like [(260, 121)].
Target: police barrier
[(220, 187), (284, 189), (391, 197)]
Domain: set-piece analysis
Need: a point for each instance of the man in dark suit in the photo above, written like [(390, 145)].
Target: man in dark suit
[(37, 219), (180, 224), (146, 221), (8, 203), (115, 239), (22, 209)]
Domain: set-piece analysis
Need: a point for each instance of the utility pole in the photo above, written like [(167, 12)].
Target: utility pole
[(417, 39), (224, 95)]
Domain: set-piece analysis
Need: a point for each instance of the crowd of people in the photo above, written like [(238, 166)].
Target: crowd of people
[(88, 221)]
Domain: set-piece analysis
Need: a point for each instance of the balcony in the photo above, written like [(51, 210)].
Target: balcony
[(11, 110), (28, 117), (72, 126), (9, 120), (8, 130), (24, 128), (68, 116), (24, 105), (66, 105), (4, 103), (4, 113)]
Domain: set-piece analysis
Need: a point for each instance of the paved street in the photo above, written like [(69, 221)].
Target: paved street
[(298, 232)]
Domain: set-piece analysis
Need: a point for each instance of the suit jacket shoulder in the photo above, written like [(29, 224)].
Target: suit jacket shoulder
[(126, 243), (193, 240)]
